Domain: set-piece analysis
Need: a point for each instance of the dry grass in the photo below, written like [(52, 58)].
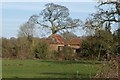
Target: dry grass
[(112, 71)]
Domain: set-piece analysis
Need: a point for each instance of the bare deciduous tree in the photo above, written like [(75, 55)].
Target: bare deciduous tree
[(56, 18), (108, 12), (27, 30)]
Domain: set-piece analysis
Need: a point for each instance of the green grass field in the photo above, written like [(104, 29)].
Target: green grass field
[(48, 69)]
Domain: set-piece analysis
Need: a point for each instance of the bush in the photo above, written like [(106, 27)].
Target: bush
[(97, 46), (67, 53), (41, 50)]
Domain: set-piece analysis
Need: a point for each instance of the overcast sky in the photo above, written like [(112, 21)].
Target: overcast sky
[(15, 14)]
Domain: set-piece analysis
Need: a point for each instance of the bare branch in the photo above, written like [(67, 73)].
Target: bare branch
[(55, 17)]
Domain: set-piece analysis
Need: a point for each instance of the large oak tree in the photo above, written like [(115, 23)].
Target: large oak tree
[(55, 18)]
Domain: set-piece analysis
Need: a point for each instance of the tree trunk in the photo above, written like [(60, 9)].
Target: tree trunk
[(54, 31), (99, 55)]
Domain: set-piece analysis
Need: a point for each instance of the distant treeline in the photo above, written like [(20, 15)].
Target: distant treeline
[(99, 46)]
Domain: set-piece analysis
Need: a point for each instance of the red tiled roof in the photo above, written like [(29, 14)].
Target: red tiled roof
[(56, 39)]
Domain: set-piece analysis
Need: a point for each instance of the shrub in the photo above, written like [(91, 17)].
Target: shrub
[(41, 50), (67, 53)]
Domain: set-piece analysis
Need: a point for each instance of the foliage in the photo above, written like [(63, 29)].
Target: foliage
[(67, 53), (116, 37), (25, 48), (41, 50), (99, 41), (16, 48), (98, 45), (9, 47), (26, 34)]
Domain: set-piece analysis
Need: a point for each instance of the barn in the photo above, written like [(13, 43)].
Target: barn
[(57, 43)]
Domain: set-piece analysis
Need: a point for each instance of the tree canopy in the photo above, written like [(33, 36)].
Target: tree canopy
[(27, 30), (56, 18), (107, 14)]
